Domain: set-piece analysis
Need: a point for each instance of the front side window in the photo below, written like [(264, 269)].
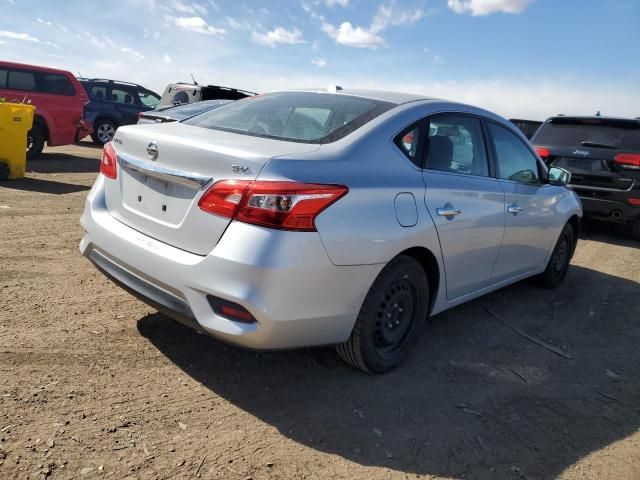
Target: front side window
[(3, 78), (456, 145), (514, 160), (305, 117), (148, 99)]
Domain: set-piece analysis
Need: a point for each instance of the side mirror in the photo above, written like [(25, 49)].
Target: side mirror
[(559, 176)]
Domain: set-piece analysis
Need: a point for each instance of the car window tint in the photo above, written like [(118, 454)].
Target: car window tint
[(98, 91), (515, 161), (21, 80), (3, 78), (408, 141), (123, 96), (54, 83), (149, 99), (456, 145)]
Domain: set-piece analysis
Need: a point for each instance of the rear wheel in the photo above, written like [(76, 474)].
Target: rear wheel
[(559, 262), (35, 142), (103, 131), (390, 319)]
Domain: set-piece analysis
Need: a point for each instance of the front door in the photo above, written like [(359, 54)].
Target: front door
[(528, 205)]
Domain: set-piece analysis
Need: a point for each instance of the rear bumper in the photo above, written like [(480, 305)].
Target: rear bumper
[(612, 204), (284, 279)]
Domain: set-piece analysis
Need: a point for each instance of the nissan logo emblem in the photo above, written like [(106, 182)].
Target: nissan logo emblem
[(152, 150)]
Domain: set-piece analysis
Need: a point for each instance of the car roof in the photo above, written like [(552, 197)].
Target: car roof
[(34, 67), (101, 80), (381, 95)]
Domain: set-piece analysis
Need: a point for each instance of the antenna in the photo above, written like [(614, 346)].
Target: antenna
[(194, 79), (80, 75)]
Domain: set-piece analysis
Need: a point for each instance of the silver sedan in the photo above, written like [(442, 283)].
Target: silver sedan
[(334, 217)]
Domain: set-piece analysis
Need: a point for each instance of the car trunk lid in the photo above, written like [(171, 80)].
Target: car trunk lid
[(164, 169)]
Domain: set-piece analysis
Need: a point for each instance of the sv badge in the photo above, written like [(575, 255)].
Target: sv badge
[(239, 169)]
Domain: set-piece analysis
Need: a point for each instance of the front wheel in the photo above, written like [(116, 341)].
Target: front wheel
[(103, 132), (559, 262), (390, 319)]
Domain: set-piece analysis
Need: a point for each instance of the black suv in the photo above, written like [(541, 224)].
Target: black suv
[(113, 103), (603, 156)]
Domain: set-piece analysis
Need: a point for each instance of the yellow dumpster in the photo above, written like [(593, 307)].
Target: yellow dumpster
[(16, 119)]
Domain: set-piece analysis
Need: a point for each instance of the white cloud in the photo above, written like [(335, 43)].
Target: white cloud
[(319, 62), (25, 37), (192, 8), (131, 51), (44, 22), (166, 58), (197, 25), (331, 3), (350, 36), (487, 7), (278, 35), (360, 37)]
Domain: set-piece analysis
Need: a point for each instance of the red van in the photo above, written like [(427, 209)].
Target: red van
[(59, 100)]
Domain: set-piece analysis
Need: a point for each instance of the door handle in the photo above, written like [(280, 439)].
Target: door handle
[(448, 211), (514, 209)]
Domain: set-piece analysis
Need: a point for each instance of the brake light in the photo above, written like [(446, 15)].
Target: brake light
[(108, 161), (628, 160), (635, 202), (543, 152), (281, 205)]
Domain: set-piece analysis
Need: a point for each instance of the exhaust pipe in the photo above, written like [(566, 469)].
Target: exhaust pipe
[(616, 214)]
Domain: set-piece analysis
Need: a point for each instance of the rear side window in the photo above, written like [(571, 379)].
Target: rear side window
[(3, 78), (409, 141), (41, 82), (594, 132), (98, 91), (515, 161), (21, 80), (456, 145), (304, 117)]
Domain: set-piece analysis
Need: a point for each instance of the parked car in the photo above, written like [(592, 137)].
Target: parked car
[(114, 103), (308, 218), (59, 100), (603, 156), (528, 127), (183, 93), (181, 112)]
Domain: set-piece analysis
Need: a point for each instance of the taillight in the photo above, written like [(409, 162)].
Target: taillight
[(543, 152), (634, 202), (628, 160), (108, 161), (281, 205)]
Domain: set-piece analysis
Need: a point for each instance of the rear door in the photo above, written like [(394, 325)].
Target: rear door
[(465, 202), (528, 205), (127, 102)]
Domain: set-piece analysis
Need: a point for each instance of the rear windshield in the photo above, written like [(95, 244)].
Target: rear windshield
[(607, 133), (185, 111), (304, 117)]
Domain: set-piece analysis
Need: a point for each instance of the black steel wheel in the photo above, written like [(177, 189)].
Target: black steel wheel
[(35, 142), (390, 319)]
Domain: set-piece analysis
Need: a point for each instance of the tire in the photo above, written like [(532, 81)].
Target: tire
[(103, 131), (635, 230), (35, 142), (400, 295), (559, 262)]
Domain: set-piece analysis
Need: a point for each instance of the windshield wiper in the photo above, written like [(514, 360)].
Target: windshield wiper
[(598, 145)]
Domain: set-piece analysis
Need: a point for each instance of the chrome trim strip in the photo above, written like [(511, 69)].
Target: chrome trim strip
[(187, 179), (600, 189)]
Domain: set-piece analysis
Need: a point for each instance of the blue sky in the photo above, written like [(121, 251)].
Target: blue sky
[(523, 58)]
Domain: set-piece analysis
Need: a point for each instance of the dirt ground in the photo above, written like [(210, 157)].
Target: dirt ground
[(93, 383)]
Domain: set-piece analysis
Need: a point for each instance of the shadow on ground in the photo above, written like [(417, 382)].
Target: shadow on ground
[(43, 186), (63, 163), (475, 400), (608, 232)]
